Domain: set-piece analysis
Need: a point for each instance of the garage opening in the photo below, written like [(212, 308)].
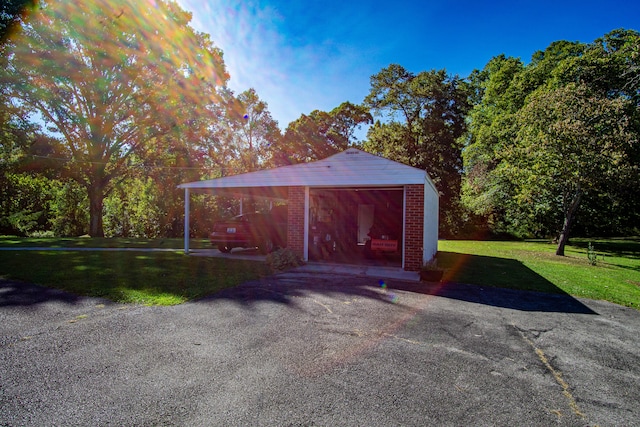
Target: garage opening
[(361, 226)]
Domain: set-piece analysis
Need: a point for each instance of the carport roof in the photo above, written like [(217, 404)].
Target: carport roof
[(349, 168)]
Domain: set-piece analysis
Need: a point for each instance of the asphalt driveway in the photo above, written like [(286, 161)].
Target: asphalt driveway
[(319, 349)]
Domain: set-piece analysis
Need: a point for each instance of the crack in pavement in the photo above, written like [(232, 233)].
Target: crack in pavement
[(557, 375)]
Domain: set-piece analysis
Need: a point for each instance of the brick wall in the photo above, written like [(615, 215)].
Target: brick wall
[(295, 227), (414, 227)]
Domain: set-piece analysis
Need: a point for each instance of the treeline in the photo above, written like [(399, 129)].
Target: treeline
[(107, 106)]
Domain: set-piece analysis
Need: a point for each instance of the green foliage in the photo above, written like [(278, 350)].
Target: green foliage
[(131, 210), (68, 211), (571, 142), (248, 133), (555, 137), (547, 147), (35, 204), (98, 73), (25, 222), (47, 234), (320, 134), (592, 255), (25, 203), (12, 13), (283, 259), (423, 120), (140, 208)]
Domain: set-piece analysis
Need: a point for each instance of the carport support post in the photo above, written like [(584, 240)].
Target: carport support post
[(404, 222), (305, 250), (187, 208)]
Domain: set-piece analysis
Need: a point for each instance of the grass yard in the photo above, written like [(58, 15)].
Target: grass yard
[(534, 266), (88, 242), (166, 278), (154, 278)]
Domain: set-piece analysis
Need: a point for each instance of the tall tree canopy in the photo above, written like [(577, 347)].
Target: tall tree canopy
[(321, 134), (250, 133), (423, 119), (114, 80), (555, 134), (12, 13)]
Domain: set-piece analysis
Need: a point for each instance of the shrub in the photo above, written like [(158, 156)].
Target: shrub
[(431, 265), (42, 234), (431, 271), (283, 259), (592, 255)]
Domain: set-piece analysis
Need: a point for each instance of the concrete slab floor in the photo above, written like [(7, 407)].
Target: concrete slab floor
[(381, 272), (361, 270)]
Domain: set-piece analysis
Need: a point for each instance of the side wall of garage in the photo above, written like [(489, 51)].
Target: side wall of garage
[(431, 209)]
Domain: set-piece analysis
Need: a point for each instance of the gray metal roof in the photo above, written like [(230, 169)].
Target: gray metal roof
[(349, 168)]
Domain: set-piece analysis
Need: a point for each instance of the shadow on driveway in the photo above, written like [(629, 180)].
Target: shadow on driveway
[(284, 288), (13, 293), (492, 277), (503, 282), (500, 297)]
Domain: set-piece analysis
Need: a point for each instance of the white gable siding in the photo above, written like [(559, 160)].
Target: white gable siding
[(351, 167)]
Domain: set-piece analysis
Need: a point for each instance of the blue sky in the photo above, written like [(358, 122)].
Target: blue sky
[(306, 55)]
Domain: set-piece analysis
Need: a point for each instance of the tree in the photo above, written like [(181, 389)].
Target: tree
[(12, 13), (252, 131), (347, 119), (423, 120), (610, 65), (500, 91), (491, 127), (321, 134), (571, 142), (506, 96), (113, 79)]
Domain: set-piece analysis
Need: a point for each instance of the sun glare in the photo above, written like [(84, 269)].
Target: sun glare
[(102, 46)]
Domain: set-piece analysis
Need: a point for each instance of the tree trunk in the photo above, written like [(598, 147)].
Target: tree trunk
[(569, 215), (96, 202)]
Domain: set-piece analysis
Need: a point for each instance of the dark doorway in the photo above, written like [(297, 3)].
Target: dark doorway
[(356, 226)]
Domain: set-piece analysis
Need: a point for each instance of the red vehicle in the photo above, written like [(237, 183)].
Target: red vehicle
[(266, 231)]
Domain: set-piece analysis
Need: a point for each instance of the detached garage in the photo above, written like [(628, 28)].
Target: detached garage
[(359, 202)]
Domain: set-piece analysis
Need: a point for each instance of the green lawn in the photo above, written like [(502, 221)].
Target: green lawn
[(155, 278), (166, 278), (534, 266), (87, 242)]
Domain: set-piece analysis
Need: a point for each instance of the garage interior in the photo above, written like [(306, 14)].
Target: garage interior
[(356, 226)]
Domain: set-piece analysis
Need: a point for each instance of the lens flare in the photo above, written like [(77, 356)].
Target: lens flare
[(114, 77), (391, 297), (106, 43)]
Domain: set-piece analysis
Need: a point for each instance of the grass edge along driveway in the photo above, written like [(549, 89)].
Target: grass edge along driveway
[(533, 265), (170, 278), (152, 278)]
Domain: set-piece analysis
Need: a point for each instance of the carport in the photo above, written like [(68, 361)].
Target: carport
[(353, 194)]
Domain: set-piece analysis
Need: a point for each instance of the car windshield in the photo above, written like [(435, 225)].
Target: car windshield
[(278, 214)]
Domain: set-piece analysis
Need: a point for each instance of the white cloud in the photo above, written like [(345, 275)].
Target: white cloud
[(293, 75)]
